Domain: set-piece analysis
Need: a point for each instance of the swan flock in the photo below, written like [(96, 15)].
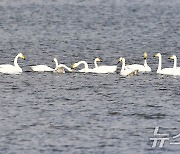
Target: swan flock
[(126, 70)]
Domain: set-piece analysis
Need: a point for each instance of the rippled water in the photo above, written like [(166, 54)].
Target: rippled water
[(88, 113)]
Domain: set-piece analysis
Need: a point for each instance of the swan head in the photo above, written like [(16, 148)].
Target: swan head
[(21, 56), (55, 60), (145, 55), (74, 65), (172, 57), (121, 59), (98, 60), (157, 55)]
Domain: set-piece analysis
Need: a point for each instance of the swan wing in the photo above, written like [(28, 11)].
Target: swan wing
[(176, 72), (128, 72), (140, 68), (178, 68), (166, 71), (6, 66), (135, 66), (41, 68), (105, 69)]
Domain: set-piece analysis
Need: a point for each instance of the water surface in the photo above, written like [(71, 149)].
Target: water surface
[(88, 113)]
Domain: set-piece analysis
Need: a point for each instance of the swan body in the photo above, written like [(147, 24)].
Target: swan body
[(12, 69), (176, 72), (41, 68), (167, 71), (140, 68), (126, 71), (104, 68)]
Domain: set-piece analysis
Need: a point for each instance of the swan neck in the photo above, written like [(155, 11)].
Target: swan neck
[(175, 62), (95, 63), (160, 63), (85, 64), (69, 69), (15, 61), (123, 64), (145, 62), (56, 63)]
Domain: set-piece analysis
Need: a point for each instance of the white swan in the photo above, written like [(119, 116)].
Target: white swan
[(86, 69), (140, 68), (126, 71), (43, 68), (104, 68), (176, 70), (167, 71), (12, 69), (60, 68)]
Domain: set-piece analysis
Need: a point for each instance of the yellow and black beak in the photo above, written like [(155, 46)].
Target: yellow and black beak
[(23, 57), (171, 58), (99, 60), (145, 55), (156, 55), (119, 60), (73, 66)]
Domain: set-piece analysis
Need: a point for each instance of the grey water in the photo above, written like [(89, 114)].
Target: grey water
[(43, 113)]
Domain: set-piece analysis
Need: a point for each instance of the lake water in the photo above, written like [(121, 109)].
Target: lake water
[(88, 113)]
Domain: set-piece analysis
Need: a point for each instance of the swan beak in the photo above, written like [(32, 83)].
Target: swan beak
[(156, 55), (73, 66), (23, 57), (171, 58), (99, 60), (119, 60), (145, 55)]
